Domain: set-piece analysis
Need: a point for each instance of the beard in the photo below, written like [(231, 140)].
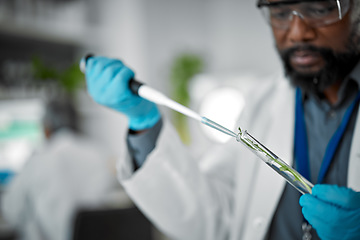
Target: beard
[(337, 66)]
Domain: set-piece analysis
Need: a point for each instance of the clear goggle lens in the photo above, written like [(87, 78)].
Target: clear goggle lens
[(315, 13)]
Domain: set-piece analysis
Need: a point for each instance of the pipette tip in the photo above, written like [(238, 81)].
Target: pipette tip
[(218, 127)]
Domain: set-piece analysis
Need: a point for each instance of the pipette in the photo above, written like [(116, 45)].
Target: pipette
[(157, 97), (290, 174), (294, 178)]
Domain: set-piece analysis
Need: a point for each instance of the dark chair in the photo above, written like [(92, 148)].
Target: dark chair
[(109, 224)]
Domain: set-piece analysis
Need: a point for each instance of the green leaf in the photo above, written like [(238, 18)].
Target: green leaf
[(184, 68), (69, 79)]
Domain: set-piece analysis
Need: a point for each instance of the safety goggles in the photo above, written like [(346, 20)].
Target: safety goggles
[(315, 13)]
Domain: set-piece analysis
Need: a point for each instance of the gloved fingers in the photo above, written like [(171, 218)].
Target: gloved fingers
[(341, 196), (332, 211), (319, 212), (316, 208), (353, 221), (96, 65), (118, 91), (323, 227), (106, 78), (325, 231), (99, 84), (334, 232), (99, 74), (109, 72)]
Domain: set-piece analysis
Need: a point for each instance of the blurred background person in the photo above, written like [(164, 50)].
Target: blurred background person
[(69, 173)]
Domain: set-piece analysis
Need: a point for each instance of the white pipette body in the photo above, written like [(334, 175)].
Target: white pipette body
[(159, 98)]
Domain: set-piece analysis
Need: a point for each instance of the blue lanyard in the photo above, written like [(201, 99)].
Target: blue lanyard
[(301, 143)]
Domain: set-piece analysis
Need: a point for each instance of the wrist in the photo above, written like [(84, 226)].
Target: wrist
[(145, 120)]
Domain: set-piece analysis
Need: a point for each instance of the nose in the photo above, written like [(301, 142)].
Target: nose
[(300, 31)]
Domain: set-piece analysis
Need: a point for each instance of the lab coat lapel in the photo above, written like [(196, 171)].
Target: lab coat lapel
[(354, 161), (269, 184)]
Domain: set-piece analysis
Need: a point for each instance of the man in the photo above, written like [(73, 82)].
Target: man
[(69, 173), (231, 194)]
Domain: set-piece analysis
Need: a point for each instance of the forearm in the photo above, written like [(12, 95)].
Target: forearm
[(141, 144)]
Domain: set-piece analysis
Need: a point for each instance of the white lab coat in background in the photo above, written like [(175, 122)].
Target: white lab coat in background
[(70, 172), (230, 194)]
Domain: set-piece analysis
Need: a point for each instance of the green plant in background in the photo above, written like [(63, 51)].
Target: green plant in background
[(184, 68), (69, 79)]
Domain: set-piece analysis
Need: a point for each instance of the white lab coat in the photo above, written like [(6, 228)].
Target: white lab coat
[(71, 172), (231, 194)]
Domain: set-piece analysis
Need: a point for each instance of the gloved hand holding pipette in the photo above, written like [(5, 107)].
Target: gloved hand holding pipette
[(108, 84), (118, 90)]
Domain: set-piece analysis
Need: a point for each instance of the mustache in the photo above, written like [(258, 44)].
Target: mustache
[(285, 54)]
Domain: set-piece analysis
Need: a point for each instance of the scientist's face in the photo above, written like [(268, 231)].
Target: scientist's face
[(316, 55)]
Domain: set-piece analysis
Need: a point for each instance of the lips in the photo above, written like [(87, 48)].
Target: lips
[(306, 60)]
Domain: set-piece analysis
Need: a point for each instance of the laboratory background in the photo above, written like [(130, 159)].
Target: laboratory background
[(201, 53)]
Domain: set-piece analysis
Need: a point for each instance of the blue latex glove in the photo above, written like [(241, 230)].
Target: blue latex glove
[(108, 84), (334, 212)]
